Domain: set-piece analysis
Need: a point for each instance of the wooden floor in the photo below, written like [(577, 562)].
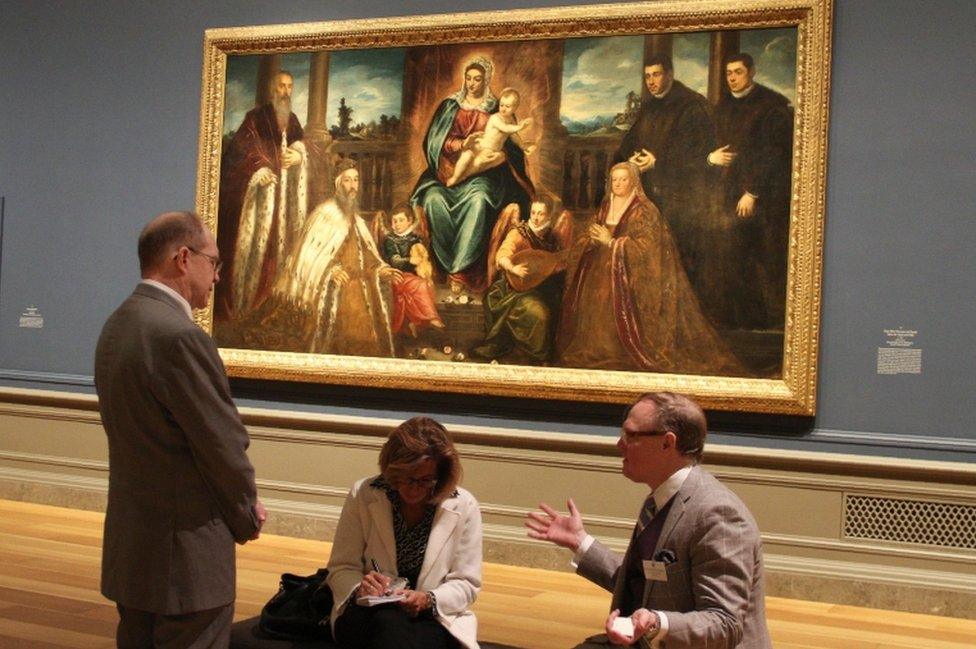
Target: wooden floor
[(49, 567)]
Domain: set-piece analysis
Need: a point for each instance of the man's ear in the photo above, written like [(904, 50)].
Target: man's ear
[(182, 258), (670, 440)]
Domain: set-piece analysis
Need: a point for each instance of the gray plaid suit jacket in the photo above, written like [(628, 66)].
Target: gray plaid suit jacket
[(181, 488), (714, 595)]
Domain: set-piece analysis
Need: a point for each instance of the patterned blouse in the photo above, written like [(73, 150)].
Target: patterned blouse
[(411, 542)]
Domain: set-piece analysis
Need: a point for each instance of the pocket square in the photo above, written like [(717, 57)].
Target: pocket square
[(667, 557)]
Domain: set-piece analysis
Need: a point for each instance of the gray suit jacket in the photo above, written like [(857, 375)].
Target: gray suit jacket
[(714, 595), (181, 488)]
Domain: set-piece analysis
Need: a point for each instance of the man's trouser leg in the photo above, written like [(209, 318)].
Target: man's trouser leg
[(208, 629)]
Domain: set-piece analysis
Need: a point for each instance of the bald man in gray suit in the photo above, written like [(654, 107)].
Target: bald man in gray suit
[(181, 488), (693, 573)]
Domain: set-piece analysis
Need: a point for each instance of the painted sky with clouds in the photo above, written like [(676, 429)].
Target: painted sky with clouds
[(597, 75), (370, 80), (774, 51)]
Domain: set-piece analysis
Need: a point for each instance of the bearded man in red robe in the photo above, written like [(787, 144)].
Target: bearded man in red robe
[(263, 201)]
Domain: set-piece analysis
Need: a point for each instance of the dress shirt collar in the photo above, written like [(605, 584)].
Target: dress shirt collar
[(743, 93), (409, 230), (173, 294), (667, 489), (664, 93), (541, 230)]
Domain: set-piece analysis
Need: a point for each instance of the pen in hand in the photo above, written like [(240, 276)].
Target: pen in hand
[(376, 569)]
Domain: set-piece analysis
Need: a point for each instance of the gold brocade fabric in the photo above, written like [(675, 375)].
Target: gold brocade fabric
[(360, 323), (646, 292)]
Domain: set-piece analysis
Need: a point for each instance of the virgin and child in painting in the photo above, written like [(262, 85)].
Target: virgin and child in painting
[(461, 216), (478, 258)]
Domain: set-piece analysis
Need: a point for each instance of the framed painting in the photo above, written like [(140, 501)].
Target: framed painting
[(580, 203)]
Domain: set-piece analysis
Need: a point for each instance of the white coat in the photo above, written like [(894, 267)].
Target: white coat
[(452, 561)]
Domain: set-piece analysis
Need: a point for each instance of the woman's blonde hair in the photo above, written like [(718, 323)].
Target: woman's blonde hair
[(415, 440)]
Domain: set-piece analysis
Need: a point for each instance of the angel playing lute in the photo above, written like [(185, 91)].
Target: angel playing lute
[(522, 302)]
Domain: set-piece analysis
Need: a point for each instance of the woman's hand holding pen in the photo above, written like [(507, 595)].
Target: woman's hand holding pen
[(374, 583)]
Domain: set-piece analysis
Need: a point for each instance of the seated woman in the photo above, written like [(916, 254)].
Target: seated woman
[(412, 521)]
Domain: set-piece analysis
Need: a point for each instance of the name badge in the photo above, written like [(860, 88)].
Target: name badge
[(655, 570)]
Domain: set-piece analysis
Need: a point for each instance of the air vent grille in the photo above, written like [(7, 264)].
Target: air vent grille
[(947, 525)]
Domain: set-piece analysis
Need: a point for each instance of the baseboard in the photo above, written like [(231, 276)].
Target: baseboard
[(837, 582)]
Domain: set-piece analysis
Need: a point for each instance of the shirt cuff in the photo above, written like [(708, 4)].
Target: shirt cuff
[(581, 550)]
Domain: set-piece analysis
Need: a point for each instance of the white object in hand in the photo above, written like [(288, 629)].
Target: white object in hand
[(624, 626), (376, 600)]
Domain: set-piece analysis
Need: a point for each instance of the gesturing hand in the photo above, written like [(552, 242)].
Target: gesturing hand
[(550, 525), (722, 157), (290, 158), (644, 160), (340, 277), (471, 143), (265, 177), (746, 206)]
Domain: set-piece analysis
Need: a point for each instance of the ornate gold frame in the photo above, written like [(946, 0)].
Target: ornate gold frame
[(795, 393)]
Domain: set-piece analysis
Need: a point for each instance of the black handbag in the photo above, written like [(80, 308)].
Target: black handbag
[(300, 609)]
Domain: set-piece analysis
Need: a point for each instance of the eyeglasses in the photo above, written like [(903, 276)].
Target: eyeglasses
[(426, 483), (216, 262), (630, 437)]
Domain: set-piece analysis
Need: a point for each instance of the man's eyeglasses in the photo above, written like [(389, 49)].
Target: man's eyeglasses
[(631, 436), (426, 483), (216, 262)]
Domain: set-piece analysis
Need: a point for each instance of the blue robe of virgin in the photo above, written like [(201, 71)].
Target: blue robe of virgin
[(461, 217)]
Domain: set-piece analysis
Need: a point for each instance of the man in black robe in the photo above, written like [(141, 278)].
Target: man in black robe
[(755, 131), (670, 142)]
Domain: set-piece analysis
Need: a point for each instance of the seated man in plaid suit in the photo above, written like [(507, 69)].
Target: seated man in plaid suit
[(692, 575)]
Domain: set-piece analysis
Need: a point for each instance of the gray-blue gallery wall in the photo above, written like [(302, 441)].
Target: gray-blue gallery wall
[(99, 116)]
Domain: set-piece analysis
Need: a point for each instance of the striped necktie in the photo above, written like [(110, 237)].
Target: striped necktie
[(646, 515)]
